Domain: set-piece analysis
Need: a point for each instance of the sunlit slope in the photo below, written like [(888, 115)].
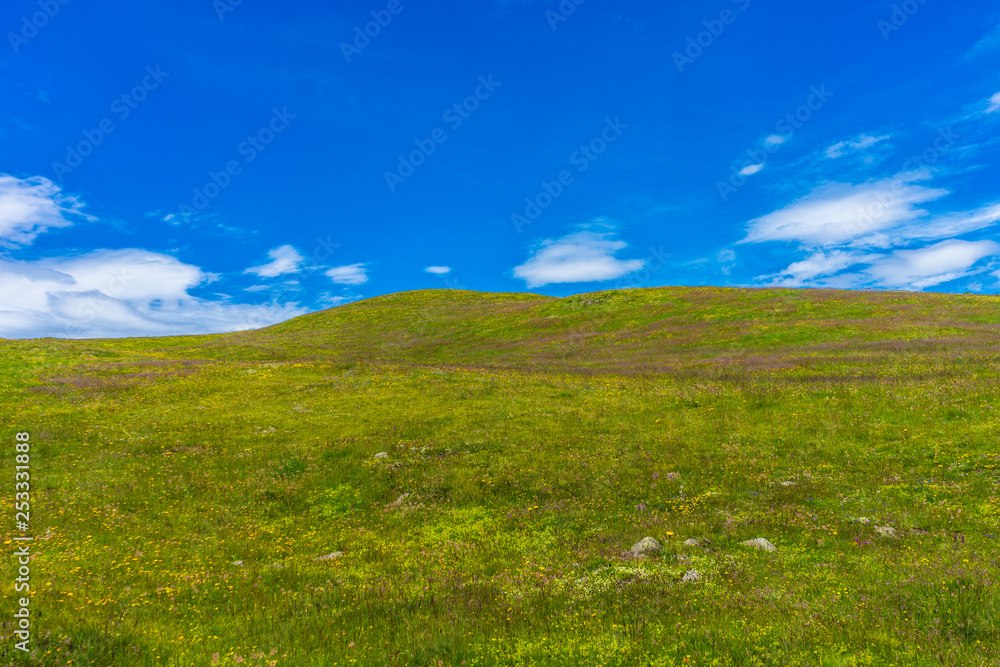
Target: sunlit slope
[(656, 329)]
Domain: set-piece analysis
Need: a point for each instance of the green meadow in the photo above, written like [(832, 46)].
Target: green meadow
[(184, 491)]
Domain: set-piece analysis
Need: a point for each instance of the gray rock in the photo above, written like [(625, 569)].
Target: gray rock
[(238, 563), (332, 556), (691, 542), (382, 455), (692, 575), (788, 483), (645, 546), (760, 543), (887, 531)]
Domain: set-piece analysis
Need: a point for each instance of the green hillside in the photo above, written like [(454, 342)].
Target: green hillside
[(183, 490)]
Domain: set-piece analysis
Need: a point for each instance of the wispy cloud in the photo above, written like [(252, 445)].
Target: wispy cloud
[(580, 257), (844, 213), (352, 274), (862, 142), (994, 103), (31, 206), (285, 259)]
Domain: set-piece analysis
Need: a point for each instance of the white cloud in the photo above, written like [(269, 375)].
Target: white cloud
[(994, 103), (113, 293), (858, 143), (817, 265), (774, 140), (752, 169), (438, 270), (577, 258), (933, 265), (352, 274), (286, 259), (31, 206), (840, 213)]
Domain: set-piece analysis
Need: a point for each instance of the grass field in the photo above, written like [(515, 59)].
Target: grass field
[(538, 439)]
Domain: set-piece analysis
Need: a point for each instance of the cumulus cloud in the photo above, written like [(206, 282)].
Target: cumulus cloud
[(752, 169), (576, 258), (352, 274), (31, 206), (285, 259), (116, 293)]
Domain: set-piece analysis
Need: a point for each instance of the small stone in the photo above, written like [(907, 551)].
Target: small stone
[(788, 483), (382, 455), (692, 575), (331, 556), (887, 531), (684, 559), (646, 545), (691, 542), (760, 543), (238, 563)]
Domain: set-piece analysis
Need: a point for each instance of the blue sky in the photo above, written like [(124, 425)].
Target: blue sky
[(200, 166)]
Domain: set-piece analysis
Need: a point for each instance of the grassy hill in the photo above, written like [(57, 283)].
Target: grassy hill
[(183, 489)]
